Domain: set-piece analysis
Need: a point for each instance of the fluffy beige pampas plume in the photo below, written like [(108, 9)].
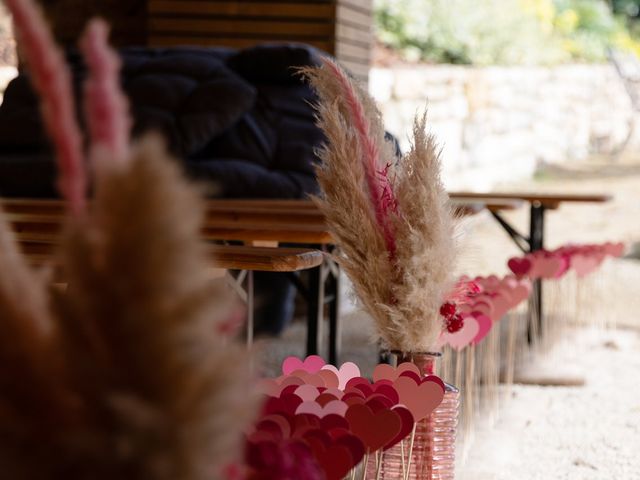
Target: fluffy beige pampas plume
[(125, 375), (390, 216), (170, 390)]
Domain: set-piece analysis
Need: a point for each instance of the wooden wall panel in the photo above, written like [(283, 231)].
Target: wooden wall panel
[(340, 27)]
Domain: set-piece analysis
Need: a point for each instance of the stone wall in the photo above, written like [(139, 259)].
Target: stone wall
[(498, 123)]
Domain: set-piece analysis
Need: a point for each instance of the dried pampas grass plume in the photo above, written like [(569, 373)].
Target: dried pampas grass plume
[(395, 233), (161, 378), (124, 375)]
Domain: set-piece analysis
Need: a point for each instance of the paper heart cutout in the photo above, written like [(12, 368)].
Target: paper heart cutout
[(420, 399), (346, 372), (406, 428), (355, 446), (374, 429), (501, 304), (336, 461), (330, 378), (387, 390), (275, 422), (335, 407), (335, 392), (284, 404), (519, 266), (311, 364), (353, 400), (617, 249), (384, 371), (546, 267), (484, 306), (406, 367), (307, 393), (583, 264), (356, 381), (308, 378), (485, 323), (378, 402), (411, 374), (465, 335), (325, 398), (284, 381), (520, 294), (365, 388), (333, 421), (436, 379)]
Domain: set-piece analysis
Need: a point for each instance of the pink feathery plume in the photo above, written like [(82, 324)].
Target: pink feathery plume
[(106, 107), (462, 290), (381, 192), (52, 81)]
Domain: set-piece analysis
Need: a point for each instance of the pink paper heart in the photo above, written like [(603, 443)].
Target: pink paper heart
[(483, 307), (346, 372), (485, 324), (384, 371), (583, 264), (311, 364), (335, 407), (421, 399), (501, 305), (465, 335), (307, 393), (546, 267)]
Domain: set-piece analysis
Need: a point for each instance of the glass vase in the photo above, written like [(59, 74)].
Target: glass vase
[(433, 447)]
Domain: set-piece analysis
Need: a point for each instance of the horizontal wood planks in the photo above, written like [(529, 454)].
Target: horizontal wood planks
[(241, 23), (354, 35), (342, 28)]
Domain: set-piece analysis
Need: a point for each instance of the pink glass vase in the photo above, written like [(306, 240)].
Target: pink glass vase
[(433, 450)]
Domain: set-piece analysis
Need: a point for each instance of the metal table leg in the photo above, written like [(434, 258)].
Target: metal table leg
[(315, 305), (536, 242), (335, 327), (532, 243)]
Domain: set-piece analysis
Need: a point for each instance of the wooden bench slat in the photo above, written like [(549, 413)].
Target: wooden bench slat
[(230, 257)]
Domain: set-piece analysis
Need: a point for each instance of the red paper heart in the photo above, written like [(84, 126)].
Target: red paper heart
[(411, 374), (335, 461), (355, 446), (285, 404), (329, 422), (374, 429), (387, 390), (378, 402), (325, 398), (407, 426), (354, 400), (519, 266)]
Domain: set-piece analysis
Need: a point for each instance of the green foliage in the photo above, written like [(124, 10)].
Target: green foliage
[(485, 32)]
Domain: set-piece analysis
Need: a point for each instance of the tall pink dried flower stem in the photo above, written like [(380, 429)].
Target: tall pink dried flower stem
[(52, 81), (380, 189), (105, 105)]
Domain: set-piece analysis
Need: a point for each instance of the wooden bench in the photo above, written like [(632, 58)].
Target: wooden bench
[(256, 223), (37, 224)]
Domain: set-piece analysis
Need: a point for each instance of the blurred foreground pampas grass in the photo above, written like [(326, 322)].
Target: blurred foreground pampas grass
[(124, 374)]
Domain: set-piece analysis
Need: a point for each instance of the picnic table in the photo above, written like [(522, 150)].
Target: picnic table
[(539, 204), (257, 223)]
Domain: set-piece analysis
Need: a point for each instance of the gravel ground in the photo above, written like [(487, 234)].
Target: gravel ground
[(577, 433)]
